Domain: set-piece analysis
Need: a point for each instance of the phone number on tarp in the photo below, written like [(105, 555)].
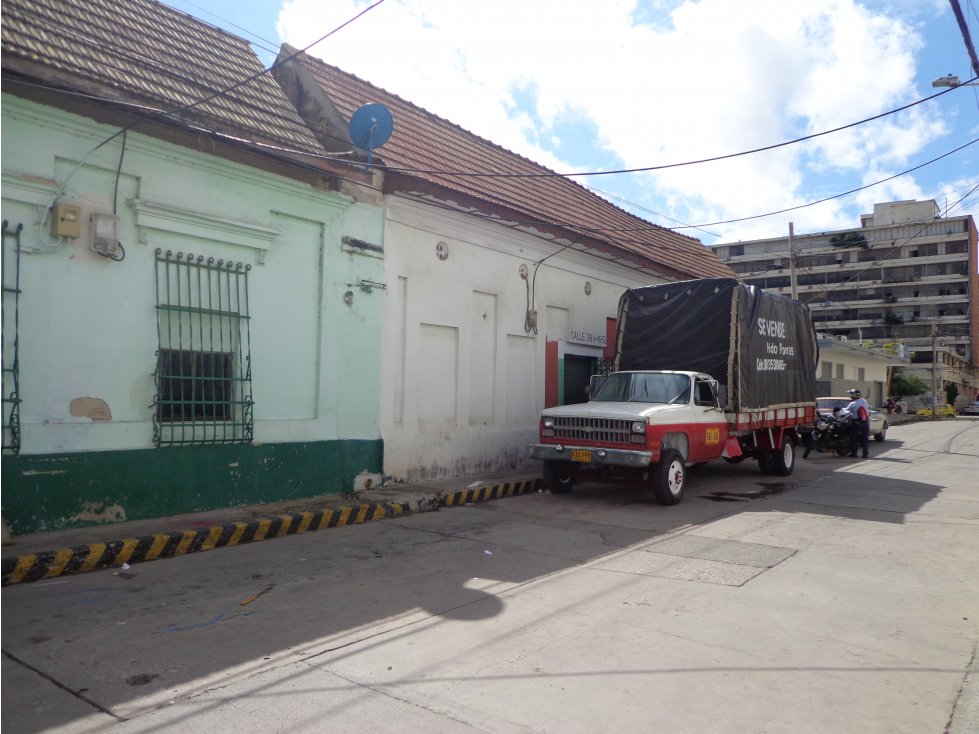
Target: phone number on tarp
[(770, 365)]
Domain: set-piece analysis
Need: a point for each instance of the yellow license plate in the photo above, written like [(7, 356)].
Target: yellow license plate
[(580, 455)]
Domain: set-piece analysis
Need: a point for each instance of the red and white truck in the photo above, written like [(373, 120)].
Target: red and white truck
[(705, 369)]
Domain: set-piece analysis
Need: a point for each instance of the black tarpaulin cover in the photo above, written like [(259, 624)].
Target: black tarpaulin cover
[(760, 346)]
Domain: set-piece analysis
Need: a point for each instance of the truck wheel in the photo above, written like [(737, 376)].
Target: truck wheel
[(783, 462), (765, 462), (557, 477), (670, 476)]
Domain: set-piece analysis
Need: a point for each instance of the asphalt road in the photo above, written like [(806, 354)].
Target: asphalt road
[(844, 598)]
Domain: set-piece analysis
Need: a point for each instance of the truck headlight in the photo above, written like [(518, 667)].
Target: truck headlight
[(547, 427), (639, 426)]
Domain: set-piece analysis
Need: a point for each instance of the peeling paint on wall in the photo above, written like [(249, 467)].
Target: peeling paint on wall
[(94, 408), (97, 512)]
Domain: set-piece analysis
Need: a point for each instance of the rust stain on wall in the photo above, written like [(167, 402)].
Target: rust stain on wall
[(94, 408)]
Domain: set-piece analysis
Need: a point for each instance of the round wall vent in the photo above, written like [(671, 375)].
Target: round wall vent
[(442, 251)]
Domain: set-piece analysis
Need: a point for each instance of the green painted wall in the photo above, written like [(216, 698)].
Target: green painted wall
[(57, 491), (88, 326)]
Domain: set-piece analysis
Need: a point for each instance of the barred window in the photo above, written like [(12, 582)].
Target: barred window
[(203, 361), (195, 385)]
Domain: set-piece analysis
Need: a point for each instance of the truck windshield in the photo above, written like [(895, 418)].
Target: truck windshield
[(644, 387)]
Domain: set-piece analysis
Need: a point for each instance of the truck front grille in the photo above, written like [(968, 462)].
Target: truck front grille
[(604, 430)]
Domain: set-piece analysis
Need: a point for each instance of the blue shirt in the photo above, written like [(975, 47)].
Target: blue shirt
[(854, 408)]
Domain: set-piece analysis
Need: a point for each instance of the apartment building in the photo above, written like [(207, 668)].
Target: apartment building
[(906, 276)]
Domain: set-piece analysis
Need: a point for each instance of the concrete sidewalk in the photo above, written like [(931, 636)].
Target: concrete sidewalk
[(78, 550)]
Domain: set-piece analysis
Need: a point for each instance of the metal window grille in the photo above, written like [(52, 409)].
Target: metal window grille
[(603, 366), (203, 364), (11, 334)]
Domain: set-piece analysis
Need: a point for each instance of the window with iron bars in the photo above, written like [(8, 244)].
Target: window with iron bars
[(203, 361)]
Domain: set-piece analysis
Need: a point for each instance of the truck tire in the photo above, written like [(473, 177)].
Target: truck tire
[(783, 462), (557, 477), (669, 478)]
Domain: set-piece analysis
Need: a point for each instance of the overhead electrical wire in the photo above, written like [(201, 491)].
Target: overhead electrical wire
[(513, 222), (642, 169), (190, 105), (227, 90), (780, 269), (271, 44), (551, 174), (890, 252), (836, 196)]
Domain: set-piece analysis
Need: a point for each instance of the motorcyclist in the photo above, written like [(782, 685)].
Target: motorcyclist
[(859, 410)]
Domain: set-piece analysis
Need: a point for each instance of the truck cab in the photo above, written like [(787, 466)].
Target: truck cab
[(632, 420)]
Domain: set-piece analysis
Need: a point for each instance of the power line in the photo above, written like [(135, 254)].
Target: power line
[(271, 44), (837, 196), (227, 90), (890, 252), (964, 28), (553, 174)]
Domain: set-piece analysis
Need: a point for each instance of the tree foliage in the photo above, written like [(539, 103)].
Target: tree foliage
[(904, 385), (951, 393), (849, 239)]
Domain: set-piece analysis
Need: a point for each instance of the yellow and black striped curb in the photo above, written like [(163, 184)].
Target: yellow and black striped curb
[(490, 492), (83, 558)]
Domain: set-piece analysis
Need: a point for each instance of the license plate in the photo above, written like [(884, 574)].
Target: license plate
[(580, 455)]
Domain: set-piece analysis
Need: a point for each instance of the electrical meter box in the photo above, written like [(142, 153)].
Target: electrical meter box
[(66, 221)]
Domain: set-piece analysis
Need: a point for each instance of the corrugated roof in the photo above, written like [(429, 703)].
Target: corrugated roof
[(139, 51), (428, 144)]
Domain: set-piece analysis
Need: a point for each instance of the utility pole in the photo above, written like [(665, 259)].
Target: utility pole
[(934, 369), (792, 283)]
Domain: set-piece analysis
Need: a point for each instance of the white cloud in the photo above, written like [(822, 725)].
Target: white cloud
[(660, 83)]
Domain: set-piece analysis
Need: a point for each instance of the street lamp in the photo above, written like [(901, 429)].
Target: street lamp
[(950, 80)]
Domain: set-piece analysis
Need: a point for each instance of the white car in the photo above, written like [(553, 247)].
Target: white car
[(878, 421), (970, 408)]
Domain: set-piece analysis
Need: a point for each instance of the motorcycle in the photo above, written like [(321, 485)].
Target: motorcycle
[(830, 434)]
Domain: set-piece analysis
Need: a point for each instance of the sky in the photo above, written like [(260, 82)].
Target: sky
[(589, 86)]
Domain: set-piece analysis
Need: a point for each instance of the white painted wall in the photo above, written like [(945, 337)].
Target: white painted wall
[(462, 380), (88, 324)]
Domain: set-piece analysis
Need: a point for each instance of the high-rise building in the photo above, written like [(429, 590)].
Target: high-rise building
[(906, 277)]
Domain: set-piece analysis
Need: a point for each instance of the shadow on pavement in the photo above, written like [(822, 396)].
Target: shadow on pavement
[(131, 642)]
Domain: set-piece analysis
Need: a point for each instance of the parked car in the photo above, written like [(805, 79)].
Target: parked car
[(944, 410), (878, 421), (970, 408)]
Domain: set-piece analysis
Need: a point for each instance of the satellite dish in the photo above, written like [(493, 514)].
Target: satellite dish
[(370, 127)]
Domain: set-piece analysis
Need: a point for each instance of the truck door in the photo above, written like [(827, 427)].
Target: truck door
[(711, 421)]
